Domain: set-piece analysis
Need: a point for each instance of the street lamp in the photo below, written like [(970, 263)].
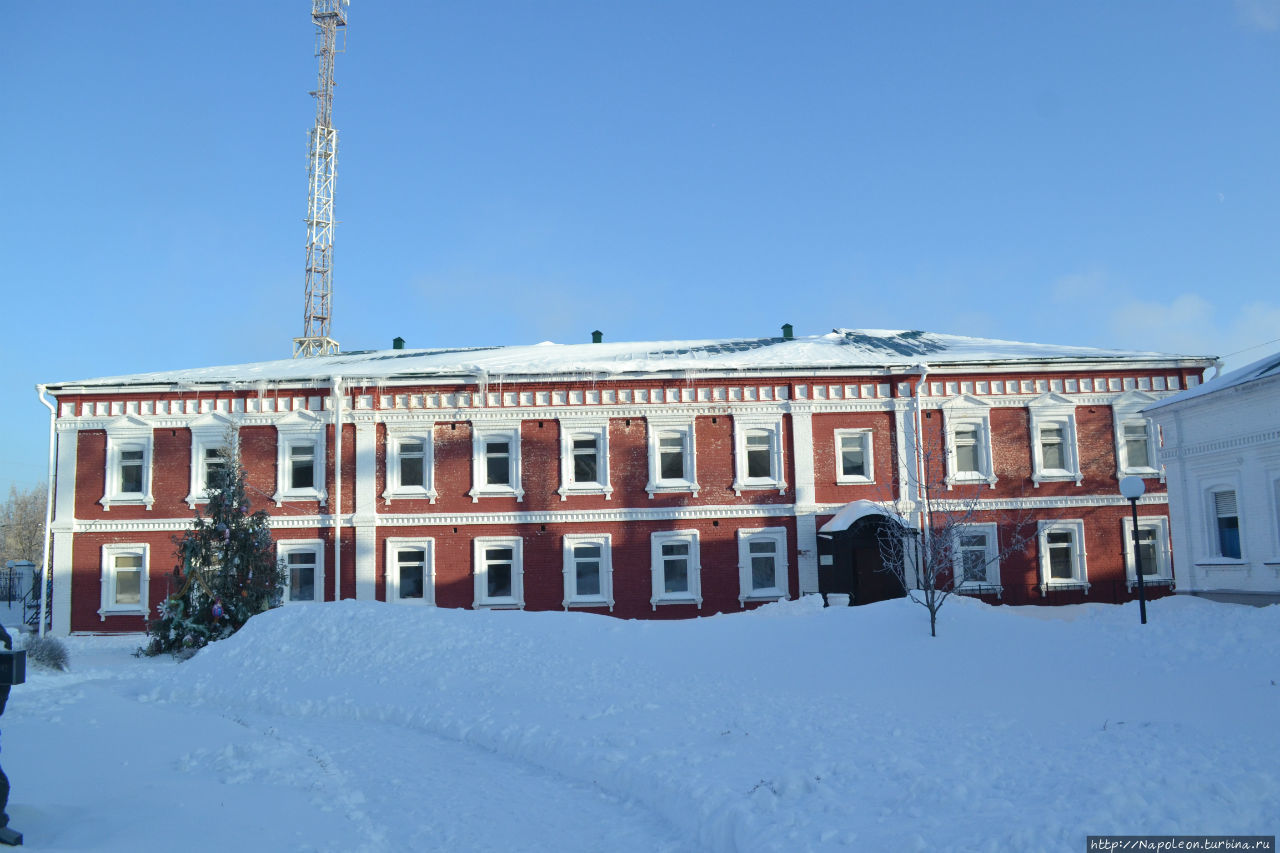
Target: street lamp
[(1133, 488)]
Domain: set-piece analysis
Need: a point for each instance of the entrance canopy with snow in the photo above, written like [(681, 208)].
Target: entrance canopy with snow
[(855, 510)]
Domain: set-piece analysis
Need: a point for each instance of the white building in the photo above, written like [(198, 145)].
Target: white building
[(1221, 452)]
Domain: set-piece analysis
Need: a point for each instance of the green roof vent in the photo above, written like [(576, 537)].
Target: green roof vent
[(597, 337), (786, 332), (397, 343)]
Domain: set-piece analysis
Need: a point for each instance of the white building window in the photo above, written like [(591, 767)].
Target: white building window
[(1054, 456), (584, 458), (304, 569), (1153, 551), (1062, 555), (968, 442), (853, 456), (411, 570), (499, 571), (124, 580), (300, 451), (495, 461), (757, 452), (588, 570), (671, 455), (976, 558), (762, 564), (1224, 524), (128, 476), (209, 447), (676, 568), (1136, 440), (410, 462)]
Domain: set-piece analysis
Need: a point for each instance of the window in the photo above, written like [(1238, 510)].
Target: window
[(499, 572), (1226, 524), (128, 475), (757, 442), (410, 571), (676, 568), (124, 580), (762, 564), (584, 457), (1136, 443), (588, 570), (976, 558), (853, 456), (1153, 550), (1053, 447), (1062, 555), (410, 462), (968, 442), (671, 455), (495, 467), (300, 440), (304, 568), (211, 435)]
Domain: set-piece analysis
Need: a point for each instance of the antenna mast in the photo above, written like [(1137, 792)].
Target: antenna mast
[(329, 16)]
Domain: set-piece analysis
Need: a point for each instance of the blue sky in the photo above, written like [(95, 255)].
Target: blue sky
[(1096, 173)]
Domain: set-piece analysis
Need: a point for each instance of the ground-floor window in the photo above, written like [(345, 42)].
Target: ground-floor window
[(304, 568), (410, 571), (588, 570), (499, 571), (1062, 555), (762, 564), (676, 568), (124, 579)]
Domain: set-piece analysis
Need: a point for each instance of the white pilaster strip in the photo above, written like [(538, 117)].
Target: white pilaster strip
[(806, 498), (365, 519)]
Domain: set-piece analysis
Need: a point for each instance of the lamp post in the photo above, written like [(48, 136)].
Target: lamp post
[(1133, 488)]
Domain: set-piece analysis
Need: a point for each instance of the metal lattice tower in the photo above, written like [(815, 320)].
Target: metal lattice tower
[(329, 16)]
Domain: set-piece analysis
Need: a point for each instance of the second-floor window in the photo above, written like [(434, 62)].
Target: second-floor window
[(128, 474), (853, 456), (671, 455), (758, 459), (584, 457), (495, 470), (1226, 524), (410, 462)]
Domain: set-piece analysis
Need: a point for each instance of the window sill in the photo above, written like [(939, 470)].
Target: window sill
[(409, 495), (104, 612), (1144, 473), (971, 588), (759, 486), (299, 495), (141, 500), (971, 480), (589, 602), (672, 486), (496, 492), (1224, 565), (499, 605), (758, 596), (855, 481), (1146, 582), (1064, 586), (1056, 476), (593, 489), (655, 602)]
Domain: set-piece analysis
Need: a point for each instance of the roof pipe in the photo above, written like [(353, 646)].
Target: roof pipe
[(336, 508), (48, 508)]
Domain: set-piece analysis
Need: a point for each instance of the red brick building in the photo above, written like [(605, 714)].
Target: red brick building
[(660, 479)]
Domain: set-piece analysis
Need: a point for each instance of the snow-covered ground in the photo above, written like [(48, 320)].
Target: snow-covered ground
[(365, 726)]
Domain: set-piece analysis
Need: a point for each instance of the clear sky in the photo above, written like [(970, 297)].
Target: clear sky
[(1096, 173)]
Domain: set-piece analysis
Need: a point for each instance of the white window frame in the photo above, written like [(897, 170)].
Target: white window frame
[(108, 605), (966, 410), (480, 434), (593, 428), (297, 429), (1054, 410), (1164, 565), (865, 437), (571, 596), (1127, 410), (123, 434), (285, 547), (396, 544), (423, 432), (1079, 558), (656, 569), (656, 427), (771, 425), (781, 567), (1213, 543), (991, 565), (515, 601), (207, 433)]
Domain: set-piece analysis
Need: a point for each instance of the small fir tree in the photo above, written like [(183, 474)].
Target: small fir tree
[(228, 569)]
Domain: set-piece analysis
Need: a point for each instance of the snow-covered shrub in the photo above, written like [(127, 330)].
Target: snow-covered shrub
[(48, 653)]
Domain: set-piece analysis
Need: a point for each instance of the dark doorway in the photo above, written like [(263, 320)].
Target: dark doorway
[(849, 562)]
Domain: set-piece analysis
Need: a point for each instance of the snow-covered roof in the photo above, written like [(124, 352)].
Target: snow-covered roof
[(1263, 368), (850, 349), (855, 510)]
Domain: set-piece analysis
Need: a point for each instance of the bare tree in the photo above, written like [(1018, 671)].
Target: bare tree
[(22, 517), (958, 544)]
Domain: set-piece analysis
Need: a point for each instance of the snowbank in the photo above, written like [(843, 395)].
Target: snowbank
[(798, 728)]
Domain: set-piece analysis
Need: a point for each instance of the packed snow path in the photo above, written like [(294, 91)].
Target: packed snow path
[(370, 726)]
